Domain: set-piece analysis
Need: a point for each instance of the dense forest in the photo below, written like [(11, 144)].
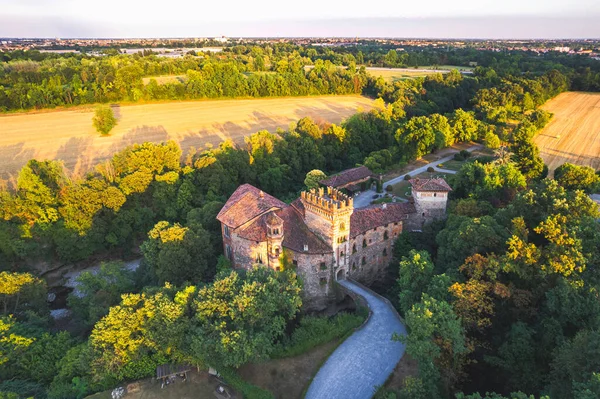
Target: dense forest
[(500, 297)]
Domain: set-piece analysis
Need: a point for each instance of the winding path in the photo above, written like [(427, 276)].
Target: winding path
[(364, 360)]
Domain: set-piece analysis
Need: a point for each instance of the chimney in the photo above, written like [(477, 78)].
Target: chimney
[(384, 206), (305, 247), (261, 194)]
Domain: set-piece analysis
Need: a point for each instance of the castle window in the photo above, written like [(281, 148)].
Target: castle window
[(228, 252), (386, 235), (259, 259), (363, 261), (305, 247), (342, 254), (323, 281), (354, 248), (353, 265), (435, 194), (384, 251), (323, 266), (277, 251), (342, 226), (295, 263), (364, 243), (423, 214), (226, 230)]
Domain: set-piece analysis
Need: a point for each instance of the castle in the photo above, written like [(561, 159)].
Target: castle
[(322, 234)]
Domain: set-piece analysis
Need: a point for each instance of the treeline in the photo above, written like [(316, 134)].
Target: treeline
[(30, 79), (66, 81)]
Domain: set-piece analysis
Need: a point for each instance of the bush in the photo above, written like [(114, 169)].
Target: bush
[(247, 390), (465, 154), (389, 188), (104, 119), (430, 169), (313, 331), (407, 177), (458, 157)]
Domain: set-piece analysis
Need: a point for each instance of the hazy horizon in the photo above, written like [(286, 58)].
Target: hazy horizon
[(470, 19)]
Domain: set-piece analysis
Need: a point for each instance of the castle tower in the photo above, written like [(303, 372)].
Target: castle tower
[(430, 197), (274, 240), (327, 213)]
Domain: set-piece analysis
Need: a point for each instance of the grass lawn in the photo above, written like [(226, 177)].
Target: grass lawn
[(452, 165), (198, 385), (288, 377)]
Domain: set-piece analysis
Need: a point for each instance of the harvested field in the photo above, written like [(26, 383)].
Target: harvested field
[(69, 135), (573, 135)]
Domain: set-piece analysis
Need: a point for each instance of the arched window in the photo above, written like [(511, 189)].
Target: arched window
[(342, 254), (354, 248), (363, 261), (277, 251), (342, 226), (435, 194), (384, 251), (386, 235), (364, 243)]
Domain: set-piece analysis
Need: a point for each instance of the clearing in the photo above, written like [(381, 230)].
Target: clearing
[(68, 135), (573, 135)]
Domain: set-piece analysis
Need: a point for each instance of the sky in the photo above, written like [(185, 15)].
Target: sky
[(259, 18)]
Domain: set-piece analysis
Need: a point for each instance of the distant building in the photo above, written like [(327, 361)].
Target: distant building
[(351, 180), (321, 233)]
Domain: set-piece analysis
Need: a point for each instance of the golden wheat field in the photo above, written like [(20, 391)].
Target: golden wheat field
[(573, 135), (68, 135)]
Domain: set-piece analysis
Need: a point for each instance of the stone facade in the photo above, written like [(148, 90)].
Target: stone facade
[(324, 237)]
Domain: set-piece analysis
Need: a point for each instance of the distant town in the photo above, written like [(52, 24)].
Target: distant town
[(176, 47)]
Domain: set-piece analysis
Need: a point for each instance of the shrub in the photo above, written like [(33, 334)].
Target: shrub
[(430, 169), (389, 188), (313, 331), (407, 177), (458, 157), (104, 119), (247, 390), (465, 154)]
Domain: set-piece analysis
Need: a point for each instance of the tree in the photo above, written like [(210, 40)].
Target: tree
[(104, 119), (492, 141), (573, 177), (178, 254), (20, 292), (416, 272), (97, 292), (313, 178), (240, 316), (464, 125), (417, 135), (436, 341)]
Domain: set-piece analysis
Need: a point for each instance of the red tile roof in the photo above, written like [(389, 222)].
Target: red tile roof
[(364, 219), (296, 234), (347, 176), (430, 185), (246, 203)]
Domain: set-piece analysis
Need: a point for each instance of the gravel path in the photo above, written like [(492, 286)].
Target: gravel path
[(364, 360)]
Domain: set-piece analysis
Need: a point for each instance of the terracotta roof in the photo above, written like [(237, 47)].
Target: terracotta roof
[(296, 234), (347, 176), (246, 203), (430, 185), (364, 219)]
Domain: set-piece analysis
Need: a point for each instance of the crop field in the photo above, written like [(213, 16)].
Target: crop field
[(573, 135), (68, 135)]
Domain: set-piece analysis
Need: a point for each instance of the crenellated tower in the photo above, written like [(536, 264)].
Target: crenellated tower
[(327, 213)]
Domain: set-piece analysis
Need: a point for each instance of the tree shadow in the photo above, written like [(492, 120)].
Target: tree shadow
[(12, 158)]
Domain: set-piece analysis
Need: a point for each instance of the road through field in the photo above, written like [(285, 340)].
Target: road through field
[(573, 135), (69, 135)]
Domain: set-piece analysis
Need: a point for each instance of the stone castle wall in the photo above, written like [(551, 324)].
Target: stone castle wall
[(368, 263)]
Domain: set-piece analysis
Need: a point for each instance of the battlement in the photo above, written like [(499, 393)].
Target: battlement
[(330, 201)]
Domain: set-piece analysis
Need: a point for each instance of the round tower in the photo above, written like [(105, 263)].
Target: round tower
[(274, 239)]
